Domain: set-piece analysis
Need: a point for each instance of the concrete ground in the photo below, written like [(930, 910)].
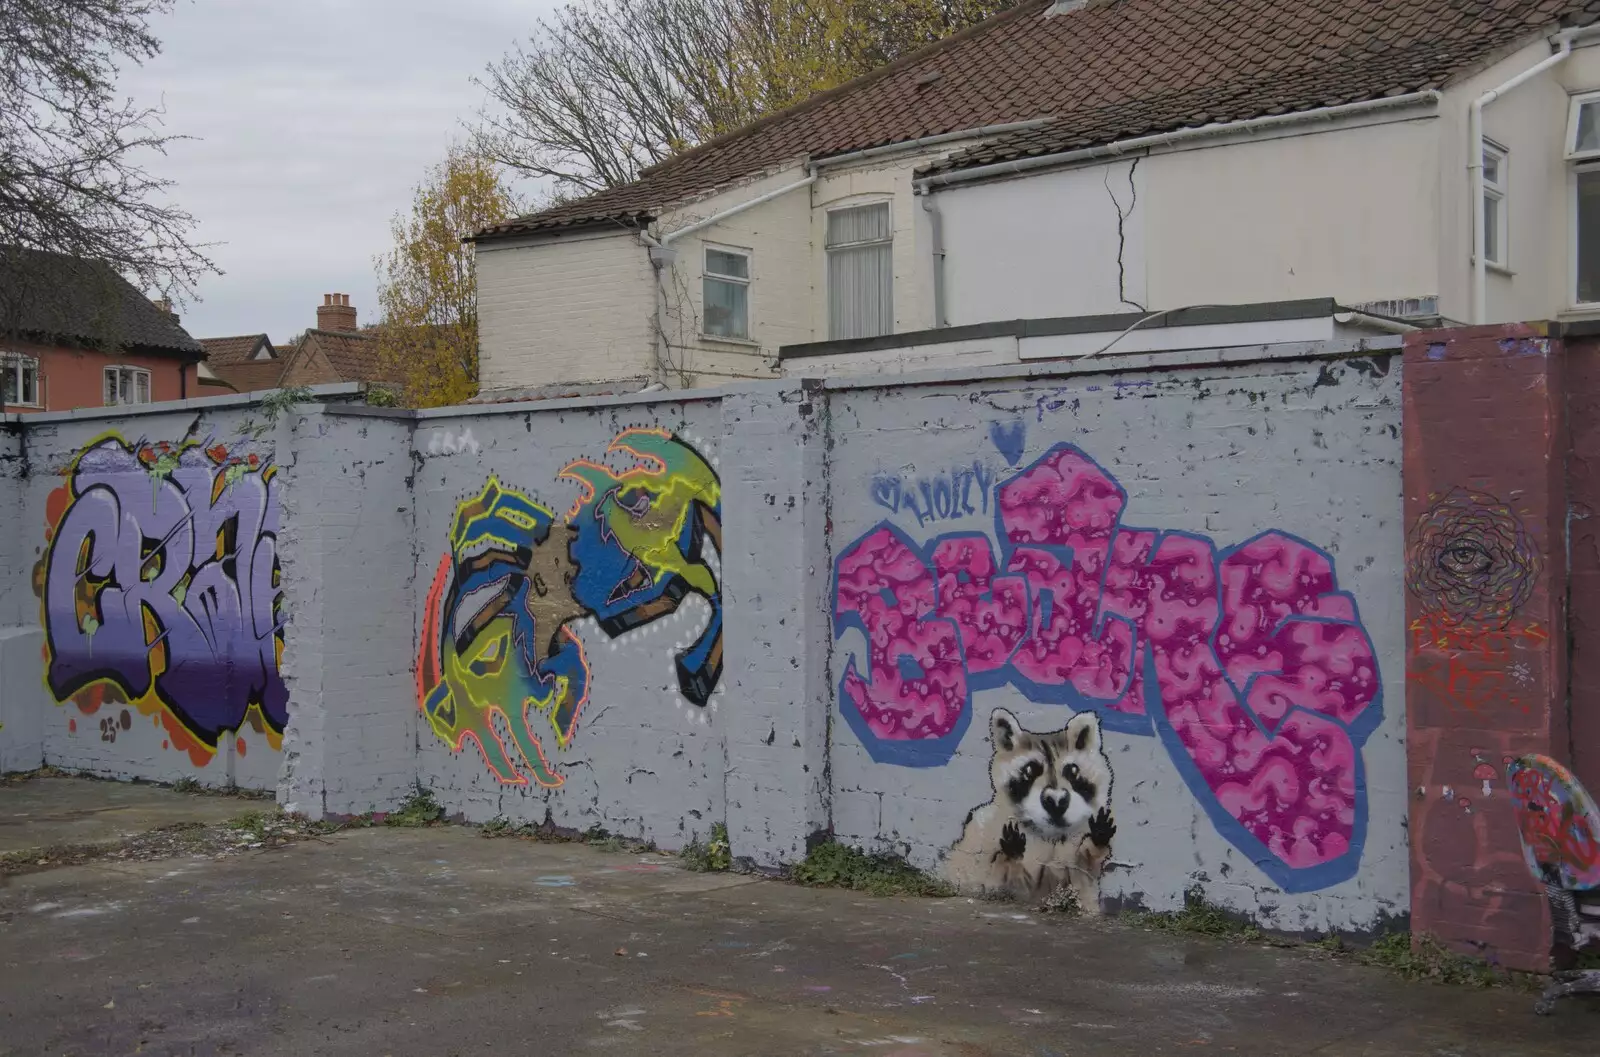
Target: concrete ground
[(42, 812), (437, 942)]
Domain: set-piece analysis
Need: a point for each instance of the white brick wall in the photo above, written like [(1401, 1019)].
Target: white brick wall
[(573, 308), (778, 238)]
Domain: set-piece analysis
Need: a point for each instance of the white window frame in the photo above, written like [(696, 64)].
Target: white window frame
[(1500, 191), (709, 276), (16, 361), (134, 374), (1572, 230), (1571, 145), (827, 252)]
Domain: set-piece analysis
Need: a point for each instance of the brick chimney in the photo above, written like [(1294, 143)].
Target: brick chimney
[(165, 305), (335, 313)]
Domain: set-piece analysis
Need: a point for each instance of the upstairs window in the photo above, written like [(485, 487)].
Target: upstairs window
[(1586, 235), (19, 380), (860, 247), (727, 293), (1583, 127), (1496, 184), (1583, 146), (126, 385)]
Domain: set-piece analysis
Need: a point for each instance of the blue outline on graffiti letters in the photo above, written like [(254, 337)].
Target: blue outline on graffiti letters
[(1066, 693), (922, 752), (1290, 879), (934, 752)]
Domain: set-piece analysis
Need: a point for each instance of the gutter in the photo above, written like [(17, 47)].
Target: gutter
[(842, 159), (1383, 323), (930, 141), (1117, 148), (1478, 292)]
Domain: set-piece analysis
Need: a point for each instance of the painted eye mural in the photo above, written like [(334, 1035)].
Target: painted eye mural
[(500, 664), (1471, 566), (161, 590), (1471, 562)]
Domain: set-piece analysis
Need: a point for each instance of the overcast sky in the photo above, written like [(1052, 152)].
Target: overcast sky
[(315, 120)]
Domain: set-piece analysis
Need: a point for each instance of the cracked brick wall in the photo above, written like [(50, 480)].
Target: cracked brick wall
[(1503, 621)]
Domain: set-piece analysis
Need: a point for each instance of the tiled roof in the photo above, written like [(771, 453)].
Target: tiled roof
[(353, 357), (224, 352), (321, 357), (251, 376), (55, 298), (1111, 70)]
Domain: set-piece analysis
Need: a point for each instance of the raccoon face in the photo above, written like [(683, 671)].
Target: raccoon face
[(1053, 782)]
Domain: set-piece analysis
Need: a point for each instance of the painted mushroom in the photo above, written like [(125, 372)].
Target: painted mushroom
[(1485, 774), (1465, 804)]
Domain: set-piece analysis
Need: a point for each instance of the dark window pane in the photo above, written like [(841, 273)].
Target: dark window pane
[(1588, 127), (734, 264), (727, 309), (1588, 236)]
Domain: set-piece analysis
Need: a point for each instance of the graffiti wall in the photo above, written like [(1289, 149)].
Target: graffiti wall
[(1133, 628), (570, 646), (159, 594), (1105, 636)]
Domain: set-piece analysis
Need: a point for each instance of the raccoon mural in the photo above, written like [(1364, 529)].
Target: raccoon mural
[(1049, 823)]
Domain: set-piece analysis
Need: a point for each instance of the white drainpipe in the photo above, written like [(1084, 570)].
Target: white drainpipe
[(662, 257), (1389, 326), (1479, 292)]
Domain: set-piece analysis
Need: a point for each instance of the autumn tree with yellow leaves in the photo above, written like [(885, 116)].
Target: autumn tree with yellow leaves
[(427, 283), (607, 88)]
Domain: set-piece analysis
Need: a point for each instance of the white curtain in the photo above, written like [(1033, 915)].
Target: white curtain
[(860, 272)]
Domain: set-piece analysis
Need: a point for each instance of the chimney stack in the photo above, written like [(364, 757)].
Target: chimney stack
[(165, 305), (335, 313)]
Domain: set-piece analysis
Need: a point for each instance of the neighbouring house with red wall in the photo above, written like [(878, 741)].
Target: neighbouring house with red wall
[(335, 350), (74, 333)]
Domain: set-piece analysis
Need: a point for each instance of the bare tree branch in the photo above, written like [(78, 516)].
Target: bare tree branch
[(609, 87), (72, 176)]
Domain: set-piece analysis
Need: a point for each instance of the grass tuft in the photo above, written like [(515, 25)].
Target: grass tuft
[(714, 856), (1428, 959), (1198, 917), (418, 809), (834, 865)]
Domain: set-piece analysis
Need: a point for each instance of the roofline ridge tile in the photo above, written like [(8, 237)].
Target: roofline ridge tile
[(811, 102)]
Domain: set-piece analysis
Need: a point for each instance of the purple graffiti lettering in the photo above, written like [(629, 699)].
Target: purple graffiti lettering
[(1253, 667), (162, 579)]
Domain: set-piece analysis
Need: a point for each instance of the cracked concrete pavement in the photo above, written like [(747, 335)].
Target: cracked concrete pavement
[(438, 942)]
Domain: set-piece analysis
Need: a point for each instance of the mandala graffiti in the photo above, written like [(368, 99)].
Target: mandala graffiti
[(161, 589), (500, 664), (1471, 562), (1251, 665), (1558, 822)]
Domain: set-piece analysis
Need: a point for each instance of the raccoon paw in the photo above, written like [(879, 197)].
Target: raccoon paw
[(1102, 828), (1012, 841)]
